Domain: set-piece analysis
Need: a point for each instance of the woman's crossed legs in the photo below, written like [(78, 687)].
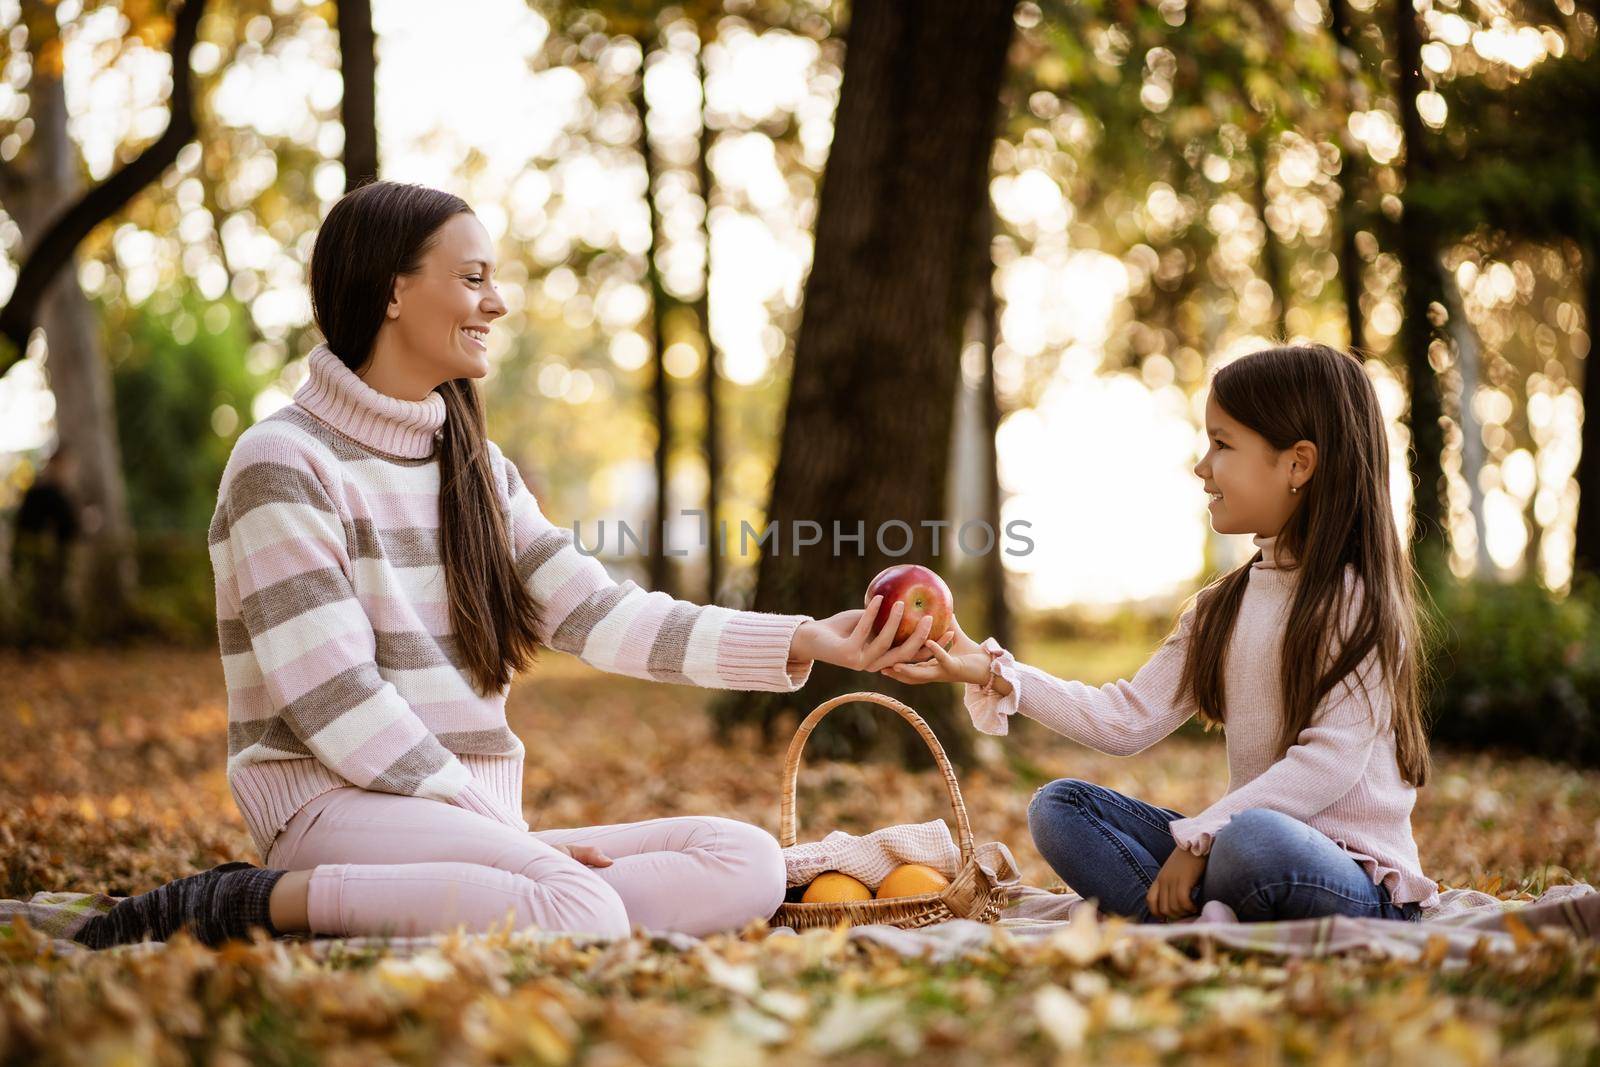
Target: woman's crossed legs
[(381, 863)]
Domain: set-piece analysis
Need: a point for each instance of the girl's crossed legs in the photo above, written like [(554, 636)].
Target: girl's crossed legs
[(1263, 864), (382, 863)]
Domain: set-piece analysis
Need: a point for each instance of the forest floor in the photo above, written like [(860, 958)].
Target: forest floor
[(112, 779)]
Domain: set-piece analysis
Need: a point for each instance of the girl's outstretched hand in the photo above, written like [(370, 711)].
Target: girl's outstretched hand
[(955, 658), (846, 639)]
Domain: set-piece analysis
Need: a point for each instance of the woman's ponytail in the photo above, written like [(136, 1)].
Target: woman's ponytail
[(491, 611)]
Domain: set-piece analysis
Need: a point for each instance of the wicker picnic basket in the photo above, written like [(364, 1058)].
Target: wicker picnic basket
[(971, 894)]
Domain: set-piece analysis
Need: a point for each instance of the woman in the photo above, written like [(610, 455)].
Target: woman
[(382, 572)]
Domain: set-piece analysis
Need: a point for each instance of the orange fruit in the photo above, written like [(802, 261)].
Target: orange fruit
[(831, 887), (910, 879)]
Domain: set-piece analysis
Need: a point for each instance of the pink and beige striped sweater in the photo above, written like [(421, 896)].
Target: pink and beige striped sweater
[(337, 648), (1342, 778)]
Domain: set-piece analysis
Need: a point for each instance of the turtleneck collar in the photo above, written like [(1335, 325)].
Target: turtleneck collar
[(1274, 555), (386, 424)]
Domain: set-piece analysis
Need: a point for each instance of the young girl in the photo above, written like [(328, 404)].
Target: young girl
[(382, 572), (1307, 655)]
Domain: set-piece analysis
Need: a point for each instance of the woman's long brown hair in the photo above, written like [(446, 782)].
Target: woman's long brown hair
[(373, 235), (1345, 518)]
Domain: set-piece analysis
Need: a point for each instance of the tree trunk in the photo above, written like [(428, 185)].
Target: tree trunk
[(1272, 258), (1422, 303), (79, 378), (661, 572), (866, 436), (994, 565), (1472, 458), (358, 108), (1586, 558), (1218, 551), (53, 249), (1350, 272), (711, 375)]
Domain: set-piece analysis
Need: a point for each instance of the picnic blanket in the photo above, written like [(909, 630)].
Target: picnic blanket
[(1464, 921)]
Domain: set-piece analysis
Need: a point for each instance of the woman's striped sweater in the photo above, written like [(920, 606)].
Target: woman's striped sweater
[(333, 618)]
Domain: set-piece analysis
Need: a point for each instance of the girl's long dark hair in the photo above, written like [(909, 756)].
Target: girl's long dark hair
[(1319, 394), (373, 235)]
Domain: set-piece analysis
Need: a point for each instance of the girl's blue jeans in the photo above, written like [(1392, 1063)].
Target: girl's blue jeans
[(1263, 864)]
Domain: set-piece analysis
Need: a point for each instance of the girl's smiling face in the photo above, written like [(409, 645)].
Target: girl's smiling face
[(1250, 482)]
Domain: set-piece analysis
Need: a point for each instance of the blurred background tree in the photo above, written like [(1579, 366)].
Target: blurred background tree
[(878, 354)]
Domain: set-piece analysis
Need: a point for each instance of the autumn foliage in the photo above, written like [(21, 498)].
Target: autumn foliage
[(111, 775)]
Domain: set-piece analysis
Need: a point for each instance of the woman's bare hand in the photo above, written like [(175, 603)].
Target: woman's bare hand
[(846, 639), (587, 855)]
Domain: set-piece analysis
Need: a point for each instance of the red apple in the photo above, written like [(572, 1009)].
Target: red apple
[(922, 591)]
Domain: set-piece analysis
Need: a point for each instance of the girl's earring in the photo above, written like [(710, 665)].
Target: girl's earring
[(1294, 489)]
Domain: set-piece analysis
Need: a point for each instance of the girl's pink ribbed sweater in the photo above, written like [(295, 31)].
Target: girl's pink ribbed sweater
[(1342, 778)]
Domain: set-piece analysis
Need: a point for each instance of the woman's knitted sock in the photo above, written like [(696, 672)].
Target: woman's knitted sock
[(218, 905)]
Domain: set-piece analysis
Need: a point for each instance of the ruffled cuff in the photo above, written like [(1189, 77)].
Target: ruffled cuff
[(1195, 835), (991, 712)]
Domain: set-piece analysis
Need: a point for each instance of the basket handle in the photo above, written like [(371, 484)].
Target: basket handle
[(787, 825)]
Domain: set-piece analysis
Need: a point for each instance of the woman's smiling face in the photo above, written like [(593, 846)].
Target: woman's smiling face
[(1249, 480), (439, 316)]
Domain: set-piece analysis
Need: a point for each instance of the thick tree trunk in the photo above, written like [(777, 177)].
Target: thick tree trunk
[(660, 566), (79, 378), (1587, 556), (1422, 302), (1350, 272), (711, 376), (866, 437), (358, 109)]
